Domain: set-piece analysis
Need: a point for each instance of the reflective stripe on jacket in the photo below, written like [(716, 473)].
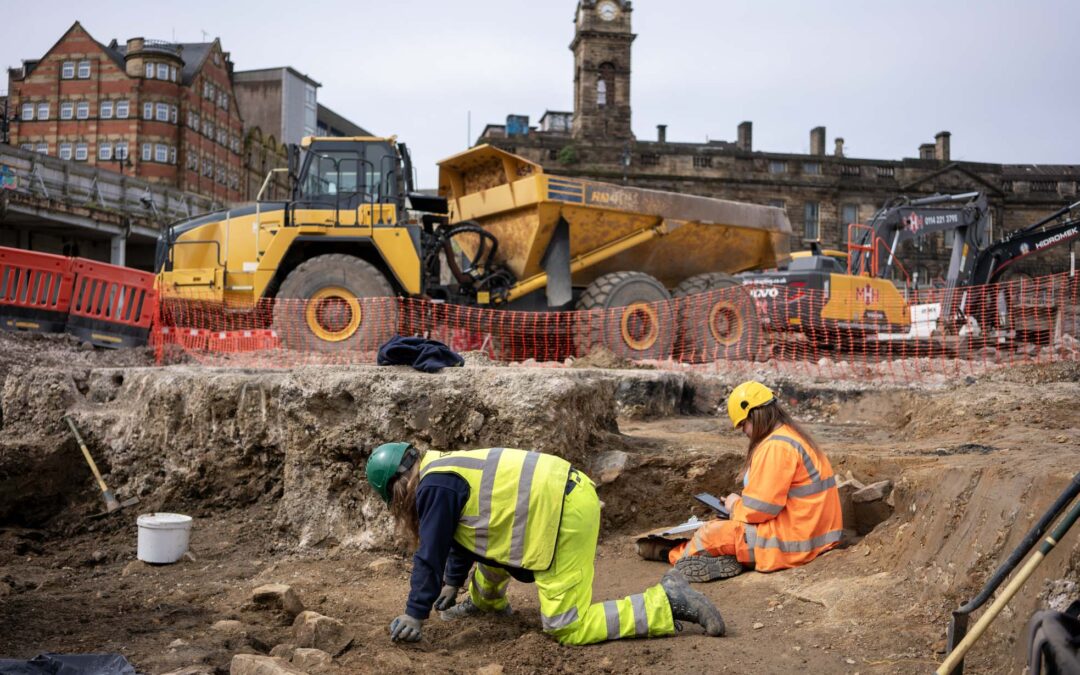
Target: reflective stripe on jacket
[(515, 502), (790, 504)]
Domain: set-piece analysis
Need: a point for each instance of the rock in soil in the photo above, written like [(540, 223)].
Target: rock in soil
[(253, 664), (312, 660), (279, 597), (312, 629)]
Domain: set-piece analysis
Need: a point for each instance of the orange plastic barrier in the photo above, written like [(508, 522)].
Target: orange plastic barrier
[(937, 333), (35, 290), (111, 306)]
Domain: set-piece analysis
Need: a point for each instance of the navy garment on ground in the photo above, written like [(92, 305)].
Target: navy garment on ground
[(440, 499), (68, 664), (429, 356)]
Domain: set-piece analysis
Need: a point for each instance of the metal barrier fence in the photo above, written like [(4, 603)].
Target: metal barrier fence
[(940, 333), (34, 174)]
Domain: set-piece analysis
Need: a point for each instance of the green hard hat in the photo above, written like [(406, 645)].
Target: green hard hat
[(383, 465)]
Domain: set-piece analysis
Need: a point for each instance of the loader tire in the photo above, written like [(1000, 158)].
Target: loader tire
[(718, 326), (335, 303), (637, 321)]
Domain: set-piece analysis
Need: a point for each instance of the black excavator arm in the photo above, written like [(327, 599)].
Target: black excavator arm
[(1039, 237)]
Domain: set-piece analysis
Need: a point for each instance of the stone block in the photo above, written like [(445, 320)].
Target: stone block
[(312, 629), (255, 664), (278, 596), (312, 660)]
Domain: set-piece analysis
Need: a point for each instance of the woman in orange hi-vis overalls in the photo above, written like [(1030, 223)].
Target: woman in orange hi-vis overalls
[(789, 511)]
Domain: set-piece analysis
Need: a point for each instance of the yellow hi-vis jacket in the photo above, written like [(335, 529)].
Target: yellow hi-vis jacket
[(515, 502), (790, 503)]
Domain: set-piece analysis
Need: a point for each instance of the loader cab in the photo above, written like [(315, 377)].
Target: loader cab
[(346, 173)]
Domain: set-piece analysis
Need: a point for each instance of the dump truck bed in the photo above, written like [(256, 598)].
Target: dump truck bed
[(521, 205)]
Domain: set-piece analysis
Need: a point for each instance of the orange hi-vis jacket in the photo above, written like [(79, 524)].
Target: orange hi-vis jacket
[(790, 504)]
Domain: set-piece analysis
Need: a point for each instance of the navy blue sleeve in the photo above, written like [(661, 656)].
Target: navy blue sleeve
[(457, 566), (440, 499)]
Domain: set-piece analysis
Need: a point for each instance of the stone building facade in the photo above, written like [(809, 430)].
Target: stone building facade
[(822, 191), (158, 110)]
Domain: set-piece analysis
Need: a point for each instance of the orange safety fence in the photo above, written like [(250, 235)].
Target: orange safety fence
[(870, 333)]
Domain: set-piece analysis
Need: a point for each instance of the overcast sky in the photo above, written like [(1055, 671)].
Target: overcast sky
[(1001, 75)]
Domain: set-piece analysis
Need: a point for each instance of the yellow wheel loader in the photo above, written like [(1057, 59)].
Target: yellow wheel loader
[(501, 233)]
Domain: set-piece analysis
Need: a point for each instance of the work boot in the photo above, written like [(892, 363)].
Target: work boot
[(654, 549), (689, 605), (703, 567), (468, 608)]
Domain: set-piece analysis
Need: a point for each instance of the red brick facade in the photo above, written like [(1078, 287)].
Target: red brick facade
[(166, 111)]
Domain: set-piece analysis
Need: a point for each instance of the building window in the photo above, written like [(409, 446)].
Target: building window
[(80, 152), (812, 168), (105, 110), (161, 153), (207, 168), (104, 152), (65, 151), (172, 74), (886, 172), (192, 160), (309, 94), (208, 90), (67, 110), (121, 110), (82, 110), (220, 174), (777, 166), (601, 93), (162, 112), (150, 71), (702, 162), (84, 70), (650, 159), (849, 213), (121, 152), (147, 151), (148, 111), (29, 147), (208, 129), (172, 154), (173, 114), (811, 229), (222, 136), (27, 112), (778, 203), (67, 72), (43, 111), (605, 85), (225, 101), (162, 71), (42, 148)]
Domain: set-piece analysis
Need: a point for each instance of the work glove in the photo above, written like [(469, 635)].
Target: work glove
[(447, 598), (405, 629)]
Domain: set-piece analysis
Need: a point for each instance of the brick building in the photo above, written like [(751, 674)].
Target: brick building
[(821, 191), (162, 111)]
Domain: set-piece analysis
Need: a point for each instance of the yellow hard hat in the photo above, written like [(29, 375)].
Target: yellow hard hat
[(746, 397)]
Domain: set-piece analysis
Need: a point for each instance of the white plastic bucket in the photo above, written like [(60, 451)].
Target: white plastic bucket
[(163, 537)]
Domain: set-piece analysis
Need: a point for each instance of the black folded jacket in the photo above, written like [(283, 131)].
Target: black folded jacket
[(429, 356)]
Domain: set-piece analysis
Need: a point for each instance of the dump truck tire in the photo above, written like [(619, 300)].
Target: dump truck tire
[(716, 326), (349, 306), (642, 329)]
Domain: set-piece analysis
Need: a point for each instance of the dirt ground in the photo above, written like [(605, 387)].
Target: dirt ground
[(973, 464)]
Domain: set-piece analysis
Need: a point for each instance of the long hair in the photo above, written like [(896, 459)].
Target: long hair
[(767, 419), (403, 504)]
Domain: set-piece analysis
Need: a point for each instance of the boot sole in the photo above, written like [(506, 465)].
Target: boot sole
[(700, 568)]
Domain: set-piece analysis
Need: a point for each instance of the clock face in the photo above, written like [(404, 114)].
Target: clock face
[(608, 11)]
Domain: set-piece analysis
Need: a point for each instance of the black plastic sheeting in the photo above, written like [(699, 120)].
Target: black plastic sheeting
[(68, 664)]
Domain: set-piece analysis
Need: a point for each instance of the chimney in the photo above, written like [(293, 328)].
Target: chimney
[(941, 151), (746, 137), (661, 133), (839, 147), (817, 141)]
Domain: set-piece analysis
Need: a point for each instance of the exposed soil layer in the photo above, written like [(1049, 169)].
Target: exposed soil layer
[(268, 463)]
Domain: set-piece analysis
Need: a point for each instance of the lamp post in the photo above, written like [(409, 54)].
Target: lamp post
[(122, 163)]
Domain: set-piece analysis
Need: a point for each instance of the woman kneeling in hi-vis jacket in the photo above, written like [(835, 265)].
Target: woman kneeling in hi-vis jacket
[(519, 514), (789, 511)]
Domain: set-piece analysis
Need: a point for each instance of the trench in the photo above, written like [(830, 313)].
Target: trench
[(270, 464)]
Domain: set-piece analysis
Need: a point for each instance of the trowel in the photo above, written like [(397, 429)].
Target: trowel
[(111, 502)]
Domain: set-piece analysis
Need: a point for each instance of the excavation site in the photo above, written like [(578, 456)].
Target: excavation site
[(293, 565)]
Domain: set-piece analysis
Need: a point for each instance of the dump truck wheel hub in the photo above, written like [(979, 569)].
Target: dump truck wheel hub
[(333, 314), (640, 326), (725, 323)]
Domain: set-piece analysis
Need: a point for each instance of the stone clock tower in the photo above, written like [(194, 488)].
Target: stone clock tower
[(601, 47)]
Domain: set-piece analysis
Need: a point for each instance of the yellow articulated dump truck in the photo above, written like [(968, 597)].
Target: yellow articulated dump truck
[(501, 233)]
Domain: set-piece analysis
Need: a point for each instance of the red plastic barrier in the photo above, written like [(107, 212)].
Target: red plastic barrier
[(111, 306), (35, 290), (234, 341)]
